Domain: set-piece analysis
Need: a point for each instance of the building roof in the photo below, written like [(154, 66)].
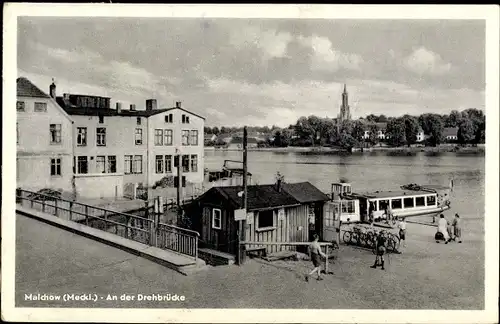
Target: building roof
[(27, 89), (305, 192), (259, 196), (450, 131), (239, 140), (92, 111)]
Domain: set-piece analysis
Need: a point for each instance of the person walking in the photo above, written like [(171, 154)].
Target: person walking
[(443, 228), (457, 228), (402, 230), (380, 247), (315, 254)]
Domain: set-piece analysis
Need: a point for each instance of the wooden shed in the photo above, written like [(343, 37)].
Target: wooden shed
[(278, 212)]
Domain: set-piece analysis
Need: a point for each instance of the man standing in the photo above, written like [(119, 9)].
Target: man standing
[(443, 228), (402, 231), (315, 254), (380, 247), (457, 229)]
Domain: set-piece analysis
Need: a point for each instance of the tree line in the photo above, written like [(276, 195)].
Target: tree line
[(399, 131)]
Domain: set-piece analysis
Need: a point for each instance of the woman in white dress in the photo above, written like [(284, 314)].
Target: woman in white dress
[(443, 228)]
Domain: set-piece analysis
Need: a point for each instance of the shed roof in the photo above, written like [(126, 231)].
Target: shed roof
[(25, 88), (450, 131), (305, 192)]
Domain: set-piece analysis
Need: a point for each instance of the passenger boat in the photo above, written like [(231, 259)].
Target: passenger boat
[(410, 200)]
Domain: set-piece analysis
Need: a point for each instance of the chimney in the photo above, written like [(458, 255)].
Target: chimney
[(278, 185), (118, 107), (150, 104), (177, 104), (52, 89), (132, 107)]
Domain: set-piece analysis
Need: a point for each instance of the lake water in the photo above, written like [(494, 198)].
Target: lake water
[(375, 171)]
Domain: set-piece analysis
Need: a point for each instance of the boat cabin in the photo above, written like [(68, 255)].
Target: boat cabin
[(400, 203)]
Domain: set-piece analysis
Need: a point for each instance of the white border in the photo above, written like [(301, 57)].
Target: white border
[(489, 13)]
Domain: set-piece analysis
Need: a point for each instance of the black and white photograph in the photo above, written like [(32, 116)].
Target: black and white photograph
[(250, 163)]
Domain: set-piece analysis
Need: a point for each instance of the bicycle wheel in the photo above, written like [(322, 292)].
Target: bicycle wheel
[(354, 238), (347, 237)]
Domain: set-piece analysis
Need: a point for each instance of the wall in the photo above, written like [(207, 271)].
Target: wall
[(287, 230), (34, 150), (195, 123), (99, 186)]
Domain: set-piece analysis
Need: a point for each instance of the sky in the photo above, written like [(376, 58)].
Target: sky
[(252, 72)]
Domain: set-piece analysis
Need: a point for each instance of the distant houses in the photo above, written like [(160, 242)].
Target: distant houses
[(450, 134), (235, 140)]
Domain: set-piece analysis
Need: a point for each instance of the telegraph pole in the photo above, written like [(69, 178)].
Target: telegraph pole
[(241, 225), (179, 185)]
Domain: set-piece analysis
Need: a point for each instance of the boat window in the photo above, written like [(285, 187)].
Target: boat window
[(396, 204), (420, 201), (431, 200), (348, 206), (409, 202), (383, 204), (347, 189), (373, 206)]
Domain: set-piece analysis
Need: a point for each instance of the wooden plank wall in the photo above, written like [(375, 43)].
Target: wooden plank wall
[(223, 239), (286, 230)]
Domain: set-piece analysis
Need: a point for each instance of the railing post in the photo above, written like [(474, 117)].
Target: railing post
[(43, 204), (70, 210), (86, 215), (196, 248), (55, 207)]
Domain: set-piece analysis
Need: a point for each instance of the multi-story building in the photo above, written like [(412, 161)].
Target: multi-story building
[(44, 140), (79, 143)]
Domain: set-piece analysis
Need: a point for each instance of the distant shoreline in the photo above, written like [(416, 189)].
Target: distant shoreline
[(323, 149)]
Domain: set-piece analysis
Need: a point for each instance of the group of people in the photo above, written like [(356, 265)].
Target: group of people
[(449, 231)]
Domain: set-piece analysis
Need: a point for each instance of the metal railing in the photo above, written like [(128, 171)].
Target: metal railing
[(133, 227)]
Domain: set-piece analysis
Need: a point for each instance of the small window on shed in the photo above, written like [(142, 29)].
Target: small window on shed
[(216, 218), (266, 218)]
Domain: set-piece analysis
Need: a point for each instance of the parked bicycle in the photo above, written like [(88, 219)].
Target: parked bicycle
[(367, 237)]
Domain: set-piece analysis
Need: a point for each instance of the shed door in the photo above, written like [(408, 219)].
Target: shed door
[(329, 221)]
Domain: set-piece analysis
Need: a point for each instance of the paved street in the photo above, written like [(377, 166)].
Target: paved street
[(428, 275)]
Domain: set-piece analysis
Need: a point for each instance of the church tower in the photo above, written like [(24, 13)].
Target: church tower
[(345, 113)]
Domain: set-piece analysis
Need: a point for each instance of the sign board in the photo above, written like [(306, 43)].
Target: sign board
[(281, 214), (240, 215), (250, 217)]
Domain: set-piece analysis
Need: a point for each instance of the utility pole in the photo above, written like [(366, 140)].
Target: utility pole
[(241, 224), (179, 185)]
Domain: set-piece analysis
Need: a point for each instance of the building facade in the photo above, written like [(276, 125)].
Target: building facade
[(79, 143), (44, 140)]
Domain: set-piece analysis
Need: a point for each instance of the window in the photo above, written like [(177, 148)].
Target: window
[(101, 136), (266, 218), (396, 204), (184, 119), (101, 119), (83, 165), (168, 136), (100, 163), (40, 107), (128, 164), (138, 120), (431, 200), (409, 203), (158, 137), (20, 106), (137, 167), (81, 136), (194, 163), (55, 133), (193, 137), (138, 136), (168, 163), (185, 137), (55, 167), (185, 163), (420, 201), (348, 206), (383, 204), (159, 164), (373, 206), (112, 164), (169, 118), (216, 218)]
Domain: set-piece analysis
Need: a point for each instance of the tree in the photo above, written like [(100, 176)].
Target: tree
[(411, 129), (396, 132), (432, 125), (382, 119), (346, 141), (207, 130), (215, 130), (466, 131), (373, 134), (358, 130), (453, 119)]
